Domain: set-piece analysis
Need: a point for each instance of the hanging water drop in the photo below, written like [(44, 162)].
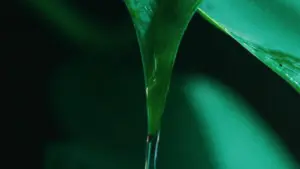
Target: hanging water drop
[(151, 151)]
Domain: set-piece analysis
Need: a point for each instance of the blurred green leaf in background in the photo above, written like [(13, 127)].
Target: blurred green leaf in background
[(237, 137), (81, 28)]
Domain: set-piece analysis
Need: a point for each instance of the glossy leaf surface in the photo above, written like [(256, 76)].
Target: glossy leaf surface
[(269, 30), (159, 25)]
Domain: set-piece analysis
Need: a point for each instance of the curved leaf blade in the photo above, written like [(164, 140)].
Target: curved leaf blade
[(160, 25), (269, 30), (236, 136)]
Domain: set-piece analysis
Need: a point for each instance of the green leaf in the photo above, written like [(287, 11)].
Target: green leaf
[(159, 26), (78, 27), (269, 30), (236, 137)]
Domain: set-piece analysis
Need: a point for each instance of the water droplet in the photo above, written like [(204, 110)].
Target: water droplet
[(151, 151)]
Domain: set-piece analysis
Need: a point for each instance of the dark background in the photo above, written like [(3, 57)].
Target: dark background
[(98, 85)]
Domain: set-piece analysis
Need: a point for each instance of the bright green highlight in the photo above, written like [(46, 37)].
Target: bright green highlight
[(236, 137)]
